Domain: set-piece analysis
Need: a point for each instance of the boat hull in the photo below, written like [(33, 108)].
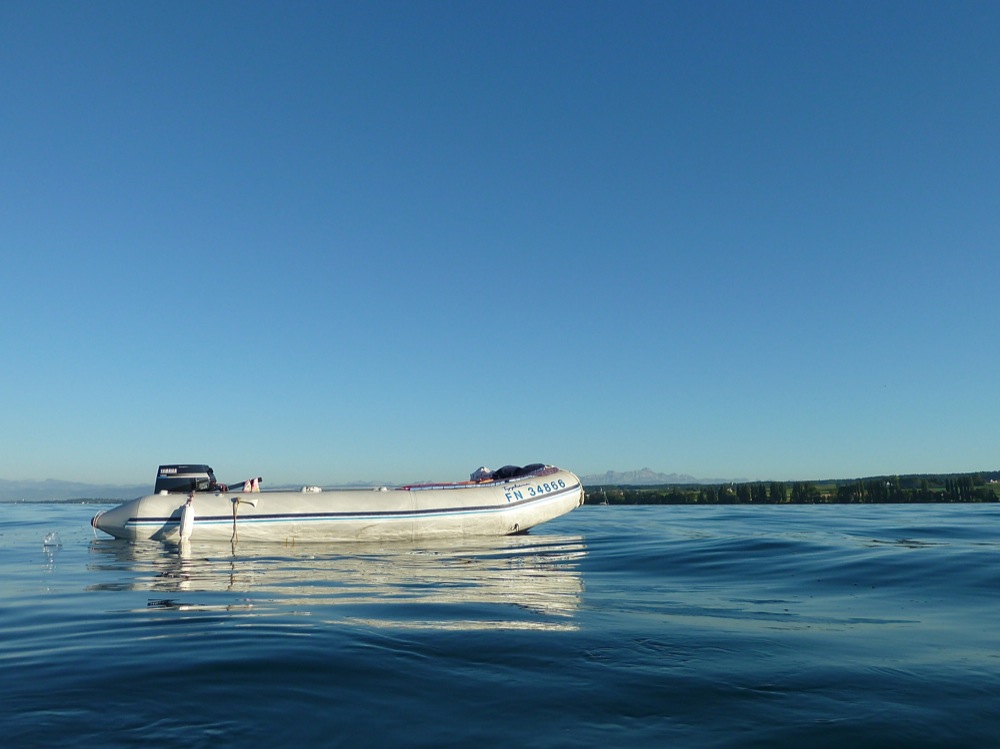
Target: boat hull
[(410, 513)]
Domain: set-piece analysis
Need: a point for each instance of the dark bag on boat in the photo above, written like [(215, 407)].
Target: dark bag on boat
[(513, 472)]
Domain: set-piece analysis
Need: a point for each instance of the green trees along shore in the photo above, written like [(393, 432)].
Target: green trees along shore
[(957, 487)]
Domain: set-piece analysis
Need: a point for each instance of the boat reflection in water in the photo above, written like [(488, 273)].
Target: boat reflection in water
[(506, 582)]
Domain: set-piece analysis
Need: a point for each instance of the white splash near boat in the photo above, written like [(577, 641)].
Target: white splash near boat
[(495, 503)]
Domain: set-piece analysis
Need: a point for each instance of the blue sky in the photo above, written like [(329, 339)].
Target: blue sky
[(325, 242)]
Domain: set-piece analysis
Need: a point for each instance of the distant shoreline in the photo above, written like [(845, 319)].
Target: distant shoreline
[(978, 487), (914, 489)]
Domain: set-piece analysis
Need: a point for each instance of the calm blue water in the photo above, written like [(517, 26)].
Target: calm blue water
[(614, 627)]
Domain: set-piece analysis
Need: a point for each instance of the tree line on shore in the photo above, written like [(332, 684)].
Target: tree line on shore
[(959, 487)]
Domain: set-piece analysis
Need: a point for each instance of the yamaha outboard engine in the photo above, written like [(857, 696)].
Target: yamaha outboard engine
[(184, 479)]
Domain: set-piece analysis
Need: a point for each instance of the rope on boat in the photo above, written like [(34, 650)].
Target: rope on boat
[(237, 501)]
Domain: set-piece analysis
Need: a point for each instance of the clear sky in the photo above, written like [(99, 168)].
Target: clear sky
[(335, 241)]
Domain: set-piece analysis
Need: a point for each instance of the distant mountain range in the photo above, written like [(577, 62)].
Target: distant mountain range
[(644, 476), (52, 490)]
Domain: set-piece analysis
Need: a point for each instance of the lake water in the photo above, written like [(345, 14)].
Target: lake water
[(794, 626)]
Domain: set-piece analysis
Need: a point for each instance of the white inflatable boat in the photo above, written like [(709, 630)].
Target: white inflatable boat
[(188, 503)]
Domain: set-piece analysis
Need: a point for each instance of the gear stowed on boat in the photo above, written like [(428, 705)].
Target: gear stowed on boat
[(188, 503)]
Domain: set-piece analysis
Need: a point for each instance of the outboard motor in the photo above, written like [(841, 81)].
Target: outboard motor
[(184, 479)]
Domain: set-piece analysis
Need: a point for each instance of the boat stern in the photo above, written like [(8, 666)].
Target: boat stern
[(116, 521)]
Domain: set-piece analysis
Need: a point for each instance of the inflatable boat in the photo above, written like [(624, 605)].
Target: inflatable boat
[(188, 503)]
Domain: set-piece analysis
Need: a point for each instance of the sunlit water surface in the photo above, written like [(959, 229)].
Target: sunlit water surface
[(830, 626)]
